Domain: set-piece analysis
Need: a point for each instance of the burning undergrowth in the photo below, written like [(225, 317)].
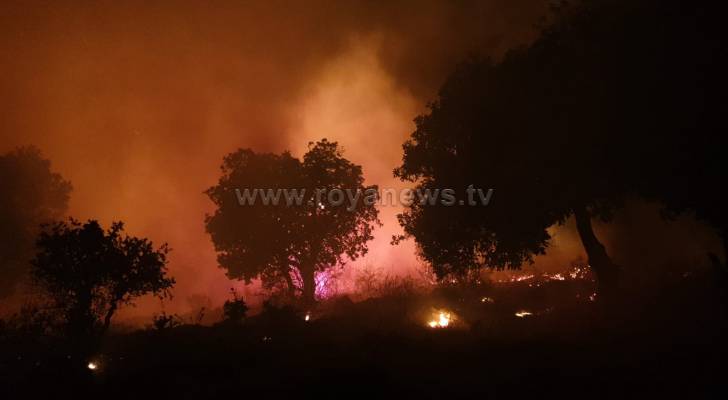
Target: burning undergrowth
[(485, 305), (461, 330)]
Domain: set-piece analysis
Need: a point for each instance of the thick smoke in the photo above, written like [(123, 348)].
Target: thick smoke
[(137, 102)]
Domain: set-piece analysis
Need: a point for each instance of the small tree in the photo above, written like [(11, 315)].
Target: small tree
[(88, 273)]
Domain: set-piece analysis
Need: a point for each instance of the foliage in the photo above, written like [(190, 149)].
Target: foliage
[(280, 242), (594, 110), (30, 194), (234, 310), (88, 273), (375, 282), (34, 321), (163, 322)]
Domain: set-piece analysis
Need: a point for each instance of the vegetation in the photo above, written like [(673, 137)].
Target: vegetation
[(561, 129), (234, 310), (31, 194), (615, 100), (284, 244), (88, 273)]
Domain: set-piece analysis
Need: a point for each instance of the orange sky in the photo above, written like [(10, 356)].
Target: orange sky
[(136, 104)]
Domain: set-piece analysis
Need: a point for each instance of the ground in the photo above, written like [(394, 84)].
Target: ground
[(666, 343)]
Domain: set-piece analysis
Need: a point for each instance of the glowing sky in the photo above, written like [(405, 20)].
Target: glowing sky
[(137, 103)]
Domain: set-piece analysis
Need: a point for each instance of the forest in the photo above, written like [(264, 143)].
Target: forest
[(486, 212)]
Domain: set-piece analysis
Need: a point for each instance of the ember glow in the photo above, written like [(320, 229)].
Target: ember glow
[(92, 366), (535, 280), (522, 278), (440, 320), (558, 277)]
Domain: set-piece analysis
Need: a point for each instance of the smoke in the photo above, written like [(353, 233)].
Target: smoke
[(137, 102)]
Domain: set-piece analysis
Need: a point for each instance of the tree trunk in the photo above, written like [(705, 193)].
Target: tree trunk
[(607, 273), (79, 318), (289, 282), (309, 284), (107, 318)]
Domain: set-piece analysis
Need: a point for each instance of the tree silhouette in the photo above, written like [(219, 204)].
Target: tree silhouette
[(30, 195), (88, 273), (474, 135), (688, 124), (285, 243), (234, 310), (497, 126), (608, 102)]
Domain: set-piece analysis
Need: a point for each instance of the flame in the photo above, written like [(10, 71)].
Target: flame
[(523, 313), (307, 317), (522, 278), (441, 320), (558, 277), (92, 366), (576, 273)]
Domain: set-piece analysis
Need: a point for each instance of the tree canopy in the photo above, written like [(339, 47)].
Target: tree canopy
[(286, 243), (608, 102), (30, 194), (88, 273)]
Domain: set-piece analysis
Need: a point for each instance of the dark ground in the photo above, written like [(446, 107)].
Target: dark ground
[(668, 344)]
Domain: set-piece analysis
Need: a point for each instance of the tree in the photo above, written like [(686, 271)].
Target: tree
[(30, 195), (690, 88), (597, 109), (88, 273), (286, 242), (475, 135), (498, 126)]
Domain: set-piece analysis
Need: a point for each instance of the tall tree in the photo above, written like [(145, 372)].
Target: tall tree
[(30, 195), (88, 273), (290, 240), (606, 103)]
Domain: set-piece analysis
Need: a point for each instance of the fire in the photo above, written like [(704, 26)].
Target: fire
[(441, 320), (557, 277), (576, 273), (92, 366), (523, 313), (307, 317), (522, 278)]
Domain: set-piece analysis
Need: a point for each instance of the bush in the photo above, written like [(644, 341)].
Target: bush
[(164, 321), (234, 310)]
